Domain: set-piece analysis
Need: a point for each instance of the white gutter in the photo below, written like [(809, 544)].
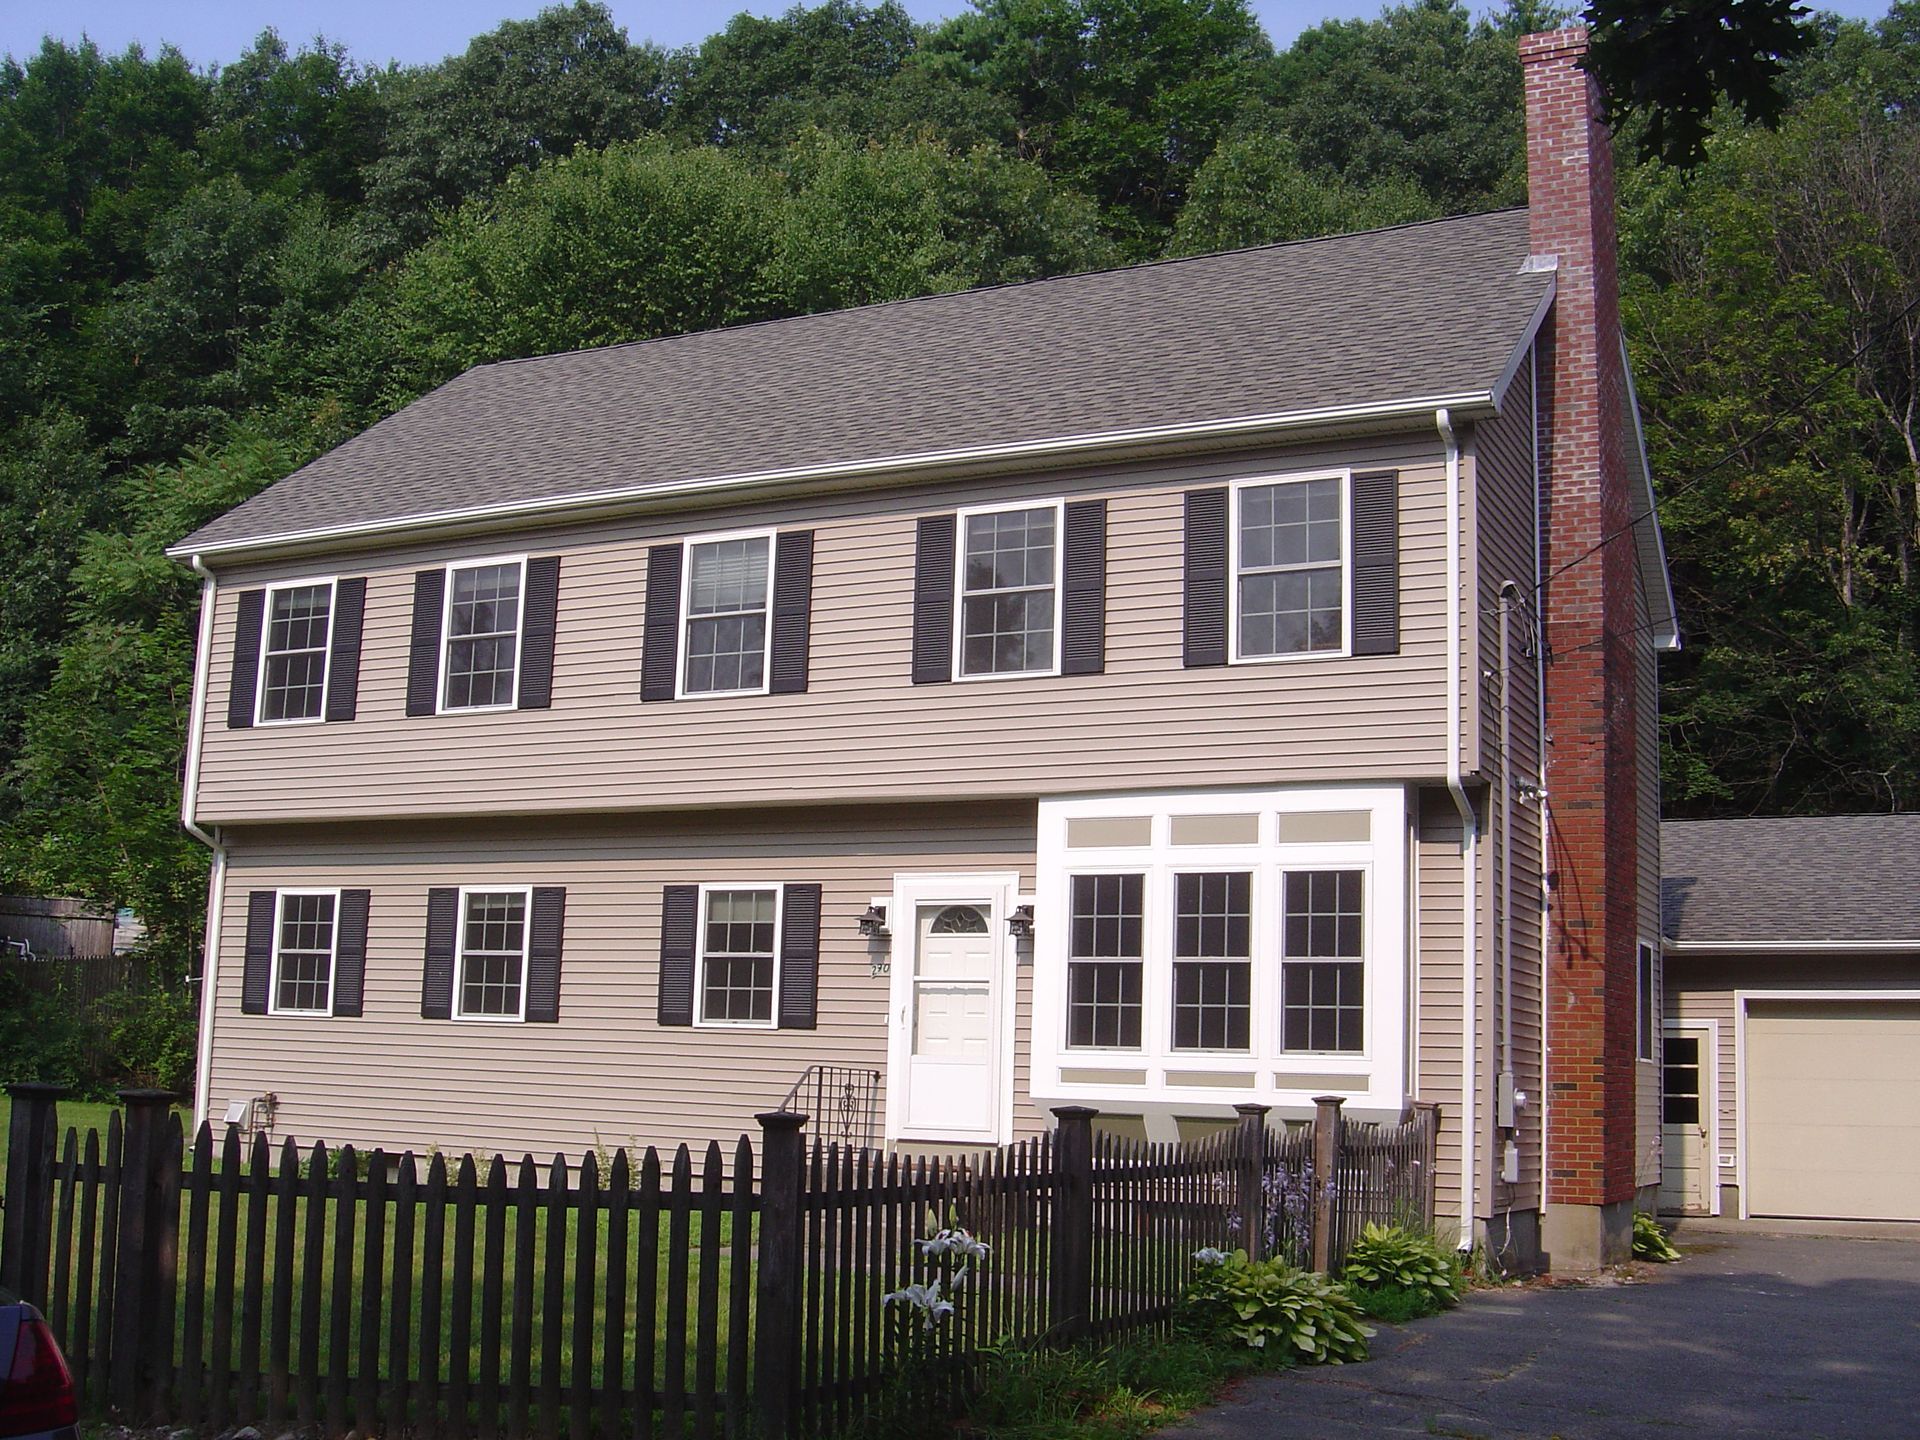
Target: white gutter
[(1469, 843), (1240, 429), (189, 805), (1792, 947)]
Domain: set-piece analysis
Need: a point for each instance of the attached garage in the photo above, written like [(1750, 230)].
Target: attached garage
[(1791, 1001), (1833, 1108)]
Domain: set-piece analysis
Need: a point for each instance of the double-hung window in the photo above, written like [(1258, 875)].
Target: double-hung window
[(293, 652), (1009, 583), (1323, 960), (1212, 961), (725, 605), (739, 934), (1105, 955), (1290, 571), (482, 652), (305, 944), (492, 981)]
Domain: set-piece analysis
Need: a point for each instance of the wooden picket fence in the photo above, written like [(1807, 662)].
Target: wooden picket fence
[(720, 1292)]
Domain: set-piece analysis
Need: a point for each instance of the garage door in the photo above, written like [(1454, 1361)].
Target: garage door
[(1833, 1109)]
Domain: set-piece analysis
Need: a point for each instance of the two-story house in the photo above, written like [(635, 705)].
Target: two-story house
[(1125, 689)]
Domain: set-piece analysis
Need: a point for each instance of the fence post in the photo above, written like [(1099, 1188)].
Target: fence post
[(1326, 1176), (779, 1282), (27, 1239), (1428, 1112), (1251, 1174), (147, 1238), (1070, 1286)]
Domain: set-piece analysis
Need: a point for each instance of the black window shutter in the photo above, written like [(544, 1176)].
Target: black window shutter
[(263, 913), (343, 663), (1206, 578), (543, 953), (792, 611), (246, 659), (933, 600), (539, 618), (350, 952), (1376, 563), (799, 957), (661, 656), (1083, 607), (436, 984), (679, 920), (423, 664)]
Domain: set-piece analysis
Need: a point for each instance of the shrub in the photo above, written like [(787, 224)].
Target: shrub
[(1294, 1314), (1400, 1274), (1650, 1242), (150, 1035)]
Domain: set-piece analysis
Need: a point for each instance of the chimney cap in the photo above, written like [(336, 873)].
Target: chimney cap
[(1545, 45)]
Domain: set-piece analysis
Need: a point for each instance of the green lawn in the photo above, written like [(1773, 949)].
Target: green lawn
[(83, 1115)]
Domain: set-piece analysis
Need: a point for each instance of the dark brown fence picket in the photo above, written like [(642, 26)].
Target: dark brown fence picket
[(286, 1229)]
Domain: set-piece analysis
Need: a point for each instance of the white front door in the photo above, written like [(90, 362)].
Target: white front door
[(1686, 1115), (949, 1018)]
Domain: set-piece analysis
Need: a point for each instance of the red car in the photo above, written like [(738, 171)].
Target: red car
[(37, 1398)]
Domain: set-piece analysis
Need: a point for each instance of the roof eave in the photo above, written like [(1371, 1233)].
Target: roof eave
[(1792, 947), (1412, 413)]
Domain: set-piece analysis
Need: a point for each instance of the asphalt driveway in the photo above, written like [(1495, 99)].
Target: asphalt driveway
[(1751, 1335)]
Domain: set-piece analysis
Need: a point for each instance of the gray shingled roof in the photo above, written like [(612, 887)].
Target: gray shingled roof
[(1409, 313), (1829, 878)]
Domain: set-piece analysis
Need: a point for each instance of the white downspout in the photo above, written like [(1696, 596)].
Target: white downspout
[(1469, 844), (189, 805)]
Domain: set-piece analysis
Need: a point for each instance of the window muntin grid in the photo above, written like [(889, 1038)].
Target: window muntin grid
[(493, 954), (1323, 970), (1105, 958), (1213, 961), (293, 653), (304, 939), (1008, 577), (739, 930), (1290, 582), (726, 610), (483, 636)]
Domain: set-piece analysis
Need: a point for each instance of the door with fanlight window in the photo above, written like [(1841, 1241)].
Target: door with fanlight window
[(949, 1022)]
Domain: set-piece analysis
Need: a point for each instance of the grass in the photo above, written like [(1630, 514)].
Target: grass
[(83, 1115)]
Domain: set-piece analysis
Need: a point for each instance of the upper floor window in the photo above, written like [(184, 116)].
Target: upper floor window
[(483, 635), (738, 966), (304, 945), (1009, 579), (1105, 956), (492, 982), (1323, 954), (293, 652), (1289, 570), (726, 604)]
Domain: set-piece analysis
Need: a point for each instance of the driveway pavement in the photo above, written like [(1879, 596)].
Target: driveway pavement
[(1751, 1335)]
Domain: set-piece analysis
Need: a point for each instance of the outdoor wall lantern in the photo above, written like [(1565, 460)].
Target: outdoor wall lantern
[(873, 924), (1020, 922)]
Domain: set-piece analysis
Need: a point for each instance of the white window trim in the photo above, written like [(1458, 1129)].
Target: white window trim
[(446, 635), (1365, 958), (1373, 1079), (772, 1022), (1172, 920), (326, 651), (460, 952), (1260, 482), (1059, 508), (680, 691), (333, 958), (1152, 912)]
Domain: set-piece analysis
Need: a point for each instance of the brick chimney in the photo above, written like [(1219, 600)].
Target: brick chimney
[(1589, 612)]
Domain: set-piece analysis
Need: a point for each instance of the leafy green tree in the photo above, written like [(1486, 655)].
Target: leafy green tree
[(1253, 190), (1121, 99), (299, 123), (527, 92)]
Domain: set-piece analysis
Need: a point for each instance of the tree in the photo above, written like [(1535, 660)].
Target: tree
[(1253, 190), (304, 123)]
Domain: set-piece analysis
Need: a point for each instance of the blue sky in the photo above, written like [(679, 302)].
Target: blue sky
[(415, 31)]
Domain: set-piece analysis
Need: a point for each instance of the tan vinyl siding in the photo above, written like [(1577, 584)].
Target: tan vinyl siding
[(1703, 988), (1647, 750), (607, 1073), (1506, 523), (1438, 979), (863, 730)]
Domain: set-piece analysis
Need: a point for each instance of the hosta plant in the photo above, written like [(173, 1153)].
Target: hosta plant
[(1296, 1315), (1650, 1242), (1421, 1278)]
